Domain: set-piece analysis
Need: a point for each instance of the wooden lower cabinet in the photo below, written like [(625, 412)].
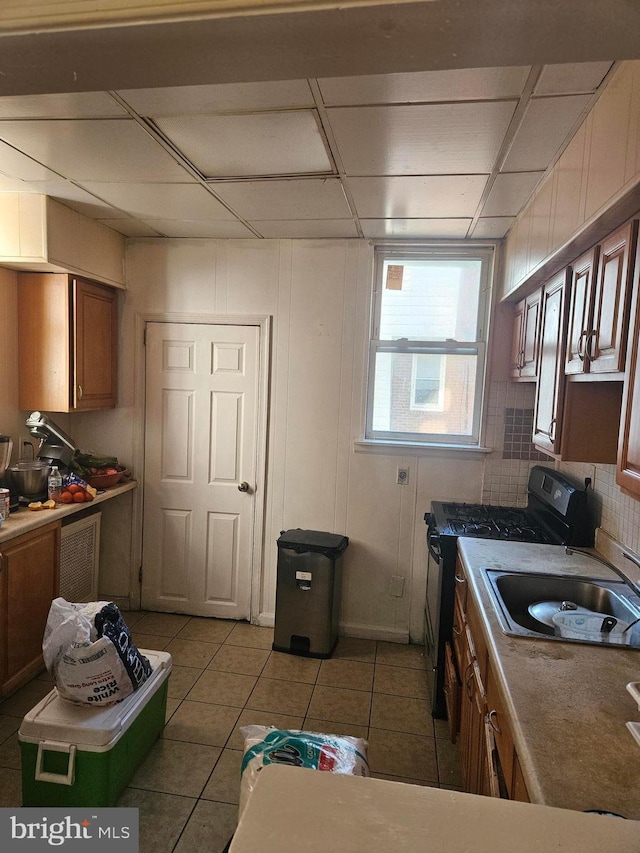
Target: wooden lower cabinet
[(489, 762), (29, 580)]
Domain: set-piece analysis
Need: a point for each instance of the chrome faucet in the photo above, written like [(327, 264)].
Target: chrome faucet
[(634, 586)]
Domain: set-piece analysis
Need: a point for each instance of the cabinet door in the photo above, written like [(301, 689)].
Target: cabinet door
[(30, 578), (606, 341), (530, 330), (580, 312), (95, 346), (516, 340), (550, 390), (628, 466), (451, 693)]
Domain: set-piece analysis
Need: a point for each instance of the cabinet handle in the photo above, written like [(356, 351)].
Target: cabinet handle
[(492, 716), (459, 579), (552, 430), (468, 680), (590, 352), (80, 392), (456, 631), (579, 350)]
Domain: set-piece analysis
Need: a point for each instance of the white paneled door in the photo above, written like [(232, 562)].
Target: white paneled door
[(200, 468)]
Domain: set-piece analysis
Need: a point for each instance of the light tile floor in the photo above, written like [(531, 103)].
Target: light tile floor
[(225, 676)]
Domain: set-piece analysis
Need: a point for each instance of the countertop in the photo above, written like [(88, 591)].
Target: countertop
[(25, 520), (296, 810), (567, 701)]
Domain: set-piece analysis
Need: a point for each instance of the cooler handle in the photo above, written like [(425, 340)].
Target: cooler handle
[(56, 778)]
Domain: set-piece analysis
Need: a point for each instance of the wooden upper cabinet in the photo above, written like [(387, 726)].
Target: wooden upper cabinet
[(600, 294), (580, 311), (550, 390), (628, 464), (67, 343), (525, 347)]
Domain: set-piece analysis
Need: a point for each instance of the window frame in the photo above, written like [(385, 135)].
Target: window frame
[(382, 252)]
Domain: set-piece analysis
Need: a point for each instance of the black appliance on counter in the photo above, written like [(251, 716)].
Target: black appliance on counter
[(556, 514)]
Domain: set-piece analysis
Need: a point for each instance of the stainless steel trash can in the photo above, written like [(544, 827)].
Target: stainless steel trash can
[(308, 586)]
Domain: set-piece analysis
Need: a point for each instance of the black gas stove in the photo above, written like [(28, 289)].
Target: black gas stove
[(556, 513)]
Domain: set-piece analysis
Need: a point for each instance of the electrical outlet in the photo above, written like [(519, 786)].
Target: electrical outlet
[(402, 477)]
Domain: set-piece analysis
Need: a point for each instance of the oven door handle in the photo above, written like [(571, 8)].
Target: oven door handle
[(433, 543)]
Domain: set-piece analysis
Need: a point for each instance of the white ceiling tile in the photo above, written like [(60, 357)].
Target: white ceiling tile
[(421, 228), (131, 227), (431, 196), (294, 199), (18, 165), (492, 226), (200, 229), (285, 143), (571, 78), (94, 150), (306, 228), (465, 84), (546, 124), (174, 201), (75, 197), (420, 140), (509, 193), (71, 105), (14, 185), (222, 97)]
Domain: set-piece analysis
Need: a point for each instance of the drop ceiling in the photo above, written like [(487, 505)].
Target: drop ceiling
[(436, 154)]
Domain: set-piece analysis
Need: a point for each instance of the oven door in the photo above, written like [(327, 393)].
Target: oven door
[(432, 599)]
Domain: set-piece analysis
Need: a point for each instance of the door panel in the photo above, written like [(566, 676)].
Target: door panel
[(200, 443), (580, 312), (549, 394)]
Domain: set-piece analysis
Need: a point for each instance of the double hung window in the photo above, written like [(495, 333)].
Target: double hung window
[(428, 345)]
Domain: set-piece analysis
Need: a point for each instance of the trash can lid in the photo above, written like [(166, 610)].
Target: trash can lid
[(331, 544)]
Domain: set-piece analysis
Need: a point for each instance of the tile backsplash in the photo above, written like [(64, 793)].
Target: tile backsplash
[(506, 470)]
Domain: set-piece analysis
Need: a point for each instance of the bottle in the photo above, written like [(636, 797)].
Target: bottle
[(54, 485)]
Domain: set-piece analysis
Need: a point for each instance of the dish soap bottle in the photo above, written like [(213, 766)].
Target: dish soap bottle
[(54, 485)]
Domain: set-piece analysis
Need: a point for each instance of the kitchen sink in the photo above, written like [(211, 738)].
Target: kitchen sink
[(516, 594)]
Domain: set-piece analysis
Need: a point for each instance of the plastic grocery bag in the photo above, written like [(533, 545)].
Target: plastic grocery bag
[(90, 653), (267, 745)]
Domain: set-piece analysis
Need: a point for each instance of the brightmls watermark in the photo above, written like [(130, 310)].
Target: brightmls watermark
[(75, 830)]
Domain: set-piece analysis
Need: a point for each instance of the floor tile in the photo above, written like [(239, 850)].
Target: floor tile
[(401, 754), (253, 636), (343, 706), (224, 783), (172, 705), (401, 714), (197, 722), (441, 729), (448, 762), (10, 789), (206, 630), (162, 817), (153, 642), (216, 687), (352, 648), (45, 676), (239, 659), (261, 718), (191, 652), (209, 828), (132, 617), (181, 681), (328, 727), (173, 767), (353, 675), (280, 697), (10, 753), (164, 624), (8, 725), (401, 681), (291, 668), (401, 654), (23, 700)]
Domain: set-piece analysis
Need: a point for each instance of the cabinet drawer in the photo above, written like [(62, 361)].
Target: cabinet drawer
[(461, 586), (501, 729), (458, 632), (473, 621)]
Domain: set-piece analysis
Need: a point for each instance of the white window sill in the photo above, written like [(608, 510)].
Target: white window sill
[(412, 448)]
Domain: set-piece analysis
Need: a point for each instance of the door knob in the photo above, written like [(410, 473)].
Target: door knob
[(243, 486)]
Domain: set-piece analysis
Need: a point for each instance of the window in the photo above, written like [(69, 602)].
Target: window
[(427, 350)]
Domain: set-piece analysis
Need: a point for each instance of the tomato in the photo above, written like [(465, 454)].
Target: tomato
[(66, 497), (74, 488), (88, 496), (78, 497)]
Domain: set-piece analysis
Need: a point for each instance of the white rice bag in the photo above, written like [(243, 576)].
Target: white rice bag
[(331, 753)]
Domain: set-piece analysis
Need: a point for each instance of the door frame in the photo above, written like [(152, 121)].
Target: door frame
[(264, 324)]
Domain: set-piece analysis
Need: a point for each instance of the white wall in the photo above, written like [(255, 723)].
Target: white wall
[(318, 294), (11, 423)]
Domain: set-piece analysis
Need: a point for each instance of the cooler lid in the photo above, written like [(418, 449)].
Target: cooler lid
[(57, 719), (330, 544)]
